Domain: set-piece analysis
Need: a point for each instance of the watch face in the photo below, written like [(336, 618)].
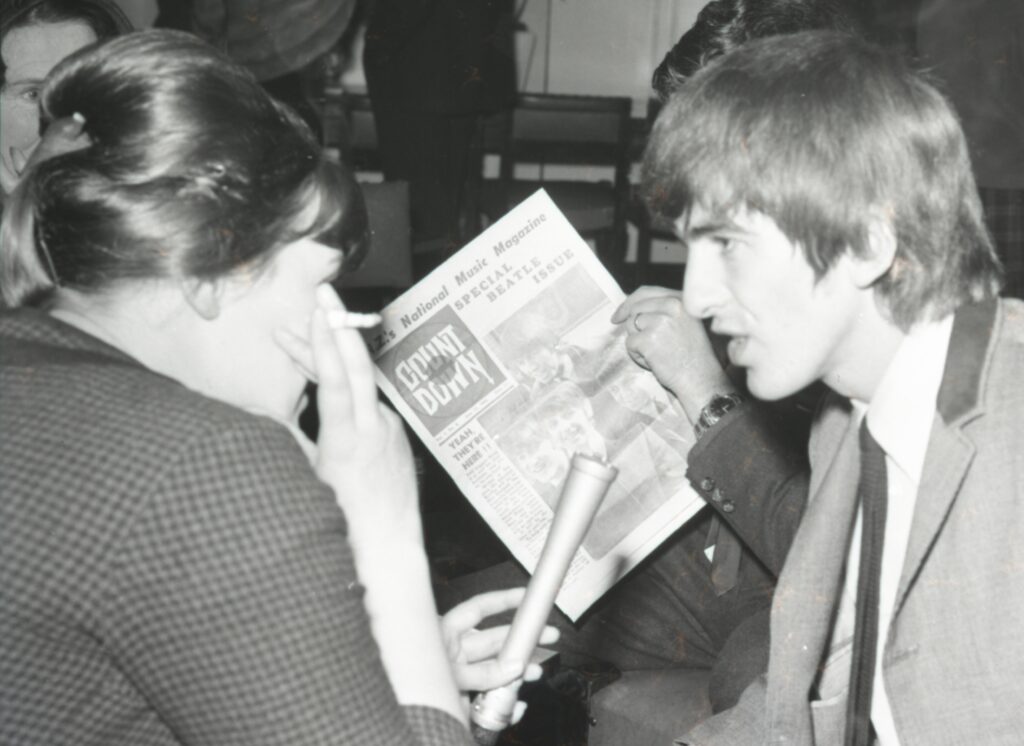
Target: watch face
[(716, 409)]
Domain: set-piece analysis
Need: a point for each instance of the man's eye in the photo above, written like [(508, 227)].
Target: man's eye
[(30, 95), (724, 244)]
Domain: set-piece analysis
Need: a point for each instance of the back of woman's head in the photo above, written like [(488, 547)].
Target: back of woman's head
[(192, 171)]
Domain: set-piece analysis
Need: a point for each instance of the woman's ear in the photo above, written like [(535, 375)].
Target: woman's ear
[(881, 252), (204, 296)]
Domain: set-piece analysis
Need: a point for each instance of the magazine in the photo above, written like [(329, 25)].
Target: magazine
[(505, 363)]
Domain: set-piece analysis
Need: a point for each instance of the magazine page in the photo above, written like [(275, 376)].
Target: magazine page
[(505, 363)]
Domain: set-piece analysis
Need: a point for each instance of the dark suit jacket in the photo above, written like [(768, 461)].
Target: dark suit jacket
[(954, 654), (752, 469), (171, 570)]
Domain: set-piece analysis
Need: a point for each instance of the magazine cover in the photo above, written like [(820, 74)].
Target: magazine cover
[(505, 363)]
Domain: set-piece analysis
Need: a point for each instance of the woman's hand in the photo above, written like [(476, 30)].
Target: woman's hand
[(62, 136), (363, 451), (474, 652), (663, 338)]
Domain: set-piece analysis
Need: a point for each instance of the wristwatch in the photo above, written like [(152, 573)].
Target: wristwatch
[(715, 410)]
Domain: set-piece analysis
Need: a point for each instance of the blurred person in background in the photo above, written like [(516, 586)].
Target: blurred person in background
[(433, 69), (282, 42), (34, 36)]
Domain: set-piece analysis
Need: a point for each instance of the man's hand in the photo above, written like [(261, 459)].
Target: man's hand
[(663, 338)]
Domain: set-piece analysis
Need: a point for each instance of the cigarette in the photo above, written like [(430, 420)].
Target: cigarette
[(352, 320)]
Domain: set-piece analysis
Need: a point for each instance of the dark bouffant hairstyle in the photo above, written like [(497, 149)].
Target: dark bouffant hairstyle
[(722, 25), (824, 133), (192, 171)]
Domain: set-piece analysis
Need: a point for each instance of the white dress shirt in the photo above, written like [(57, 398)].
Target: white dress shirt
[(900, 418)]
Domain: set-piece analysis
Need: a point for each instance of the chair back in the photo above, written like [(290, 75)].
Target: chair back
[(569, 129), (588, 131)]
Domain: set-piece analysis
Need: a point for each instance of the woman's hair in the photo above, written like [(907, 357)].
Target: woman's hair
[(193, 171), (824, 133), (104, 17)]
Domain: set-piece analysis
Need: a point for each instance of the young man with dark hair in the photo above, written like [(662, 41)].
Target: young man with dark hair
[(835, 234)]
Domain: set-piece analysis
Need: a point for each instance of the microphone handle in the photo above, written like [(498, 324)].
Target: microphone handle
[(585, 487)]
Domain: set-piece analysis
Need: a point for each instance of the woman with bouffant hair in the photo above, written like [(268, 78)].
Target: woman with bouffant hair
[(176, 568)]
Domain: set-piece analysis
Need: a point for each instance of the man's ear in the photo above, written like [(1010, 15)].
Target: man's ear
[(880, 255), (204, 296)]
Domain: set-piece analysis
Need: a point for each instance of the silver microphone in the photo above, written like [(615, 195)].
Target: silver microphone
[(585, 487)]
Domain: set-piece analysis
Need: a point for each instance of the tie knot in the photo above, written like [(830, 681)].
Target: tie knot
[(872, 459)]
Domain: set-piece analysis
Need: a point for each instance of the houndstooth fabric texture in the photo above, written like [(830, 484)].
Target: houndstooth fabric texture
[(1004, 215), (171, 570)]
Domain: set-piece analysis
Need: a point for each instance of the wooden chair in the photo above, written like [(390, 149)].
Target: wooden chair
[(582, 131)]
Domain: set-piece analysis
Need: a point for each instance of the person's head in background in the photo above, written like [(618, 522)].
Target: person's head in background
[(722, 25), (34, 36), (199, 206), (826, 197)]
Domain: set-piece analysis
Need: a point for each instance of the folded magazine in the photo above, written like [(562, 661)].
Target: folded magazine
[(505, 363)]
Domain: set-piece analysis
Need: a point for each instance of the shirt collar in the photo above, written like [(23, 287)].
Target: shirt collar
[(901, 411)]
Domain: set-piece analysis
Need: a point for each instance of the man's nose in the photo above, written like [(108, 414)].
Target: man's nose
[(703, 289)]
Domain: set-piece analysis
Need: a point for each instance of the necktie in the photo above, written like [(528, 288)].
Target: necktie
[(872, 493)]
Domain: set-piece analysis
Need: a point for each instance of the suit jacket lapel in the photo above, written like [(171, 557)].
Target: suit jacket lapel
[(808, 590), (950, 451)]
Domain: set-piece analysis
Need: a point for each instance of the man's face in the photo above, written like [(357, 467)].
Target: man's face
[(30, 53), (786, 327)]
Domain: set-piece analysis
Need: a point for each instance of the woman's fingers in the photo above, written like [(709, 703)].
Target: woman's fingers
[(474, 653), (334, 395), (19, 158), (298, 349), (62, 135), (478, 645), (484, 676), (471, 612), (354, 357)]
